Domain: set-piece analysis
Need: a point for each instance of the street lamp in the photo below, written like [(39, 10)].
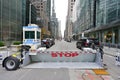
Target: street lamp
[(30, 14)]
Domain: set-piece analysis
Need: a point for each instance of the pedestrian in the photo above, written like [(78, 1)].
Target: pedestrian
[(109, 39), (101, 51)]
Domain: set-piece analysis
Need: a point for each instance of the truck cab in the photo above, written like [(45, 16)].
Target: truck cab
[(32, 37)]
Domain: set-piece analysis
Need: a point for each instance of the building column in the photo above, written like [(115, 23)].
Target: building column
[(119, 35), (103, 36), (113, 36), (99, 36)]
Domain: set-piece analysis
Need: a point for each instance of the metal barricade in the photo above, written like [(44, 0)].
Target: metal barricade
[(117, 59), (64, 56)]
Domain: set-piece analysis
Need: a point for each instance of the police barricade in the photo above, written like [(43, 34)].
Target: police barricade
[(64, 56), (68, 59)]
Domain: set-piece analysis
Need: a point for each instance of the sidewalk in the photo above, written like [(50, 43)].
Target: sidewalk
[(110, 51)]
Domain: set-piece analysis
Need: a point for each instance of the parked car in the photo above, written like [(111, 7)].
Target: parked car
[(52, 41), (46, 43), (87, 42), (68, 40)]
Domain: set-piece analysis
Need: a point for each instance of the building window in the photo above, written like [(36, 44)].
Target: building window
[(71, 3), (41, 3), (41, 6), (38, 6)]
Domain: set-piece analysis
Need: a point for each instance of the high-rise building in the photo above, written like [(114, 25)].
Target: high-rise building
[(10, 20), (59, 30), (99, 19), (69, 24), (30, 13), (43, 15), (84, 13), (54, 22), (13, 15), (107, 21)]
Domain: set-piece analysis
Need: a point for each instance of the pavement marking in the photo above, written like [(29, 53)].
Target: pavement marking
[(100, 72), (76, 74), (89, 75)]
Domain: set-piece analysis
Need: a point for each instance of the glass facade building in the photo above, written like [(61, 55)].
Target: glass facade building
[(84, 15), (33, 13), (107, 11), (10, 19), (107, 21), (100, 19), (13, 15)]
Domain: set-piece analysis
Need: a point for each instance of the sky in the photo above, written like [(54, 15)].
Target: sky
[(61, 12)]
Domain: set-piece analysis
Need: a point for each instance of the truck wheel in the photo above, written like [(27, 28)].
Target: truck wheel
[(11, 63)]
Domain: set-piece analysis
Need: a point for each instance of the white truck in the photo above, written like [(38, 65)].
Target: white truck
[(88, 61)]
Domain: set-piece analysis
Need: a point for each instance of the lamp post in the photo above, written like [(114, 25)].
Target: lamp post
[(30, 14)]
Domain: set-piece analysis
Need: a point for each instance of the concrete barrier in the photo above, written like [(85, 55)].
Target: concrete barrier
[(64, 56)]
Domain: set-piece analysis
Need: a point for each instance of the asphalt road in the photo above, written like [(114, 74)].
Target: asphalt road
[(113, 69), (56, 74), (34, 74)]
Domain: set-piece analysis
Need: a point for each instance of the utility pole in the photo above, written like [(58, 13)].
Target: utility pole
[(30, 14), (94, 13)]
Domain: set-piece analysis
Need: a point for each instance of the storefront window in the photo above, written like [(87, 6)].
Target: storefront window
[(109, 37)]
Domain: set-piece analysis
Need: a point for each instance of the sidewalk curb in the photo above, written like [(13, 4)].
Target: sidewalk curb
[(111, 51), (109, 54)]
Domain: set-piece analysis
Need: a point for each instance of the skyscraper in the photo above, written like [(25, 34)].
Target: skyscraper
[(54, 22), (10, 19), (43, 8), (69, 24), (99, 19)]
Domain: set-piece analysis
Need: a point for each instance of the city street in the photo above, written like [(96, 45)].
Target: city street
[(56, 73), (59, 39)]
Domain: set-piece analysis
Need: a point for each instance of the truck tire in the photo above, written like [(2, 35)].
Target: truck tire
[(11, 63)]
